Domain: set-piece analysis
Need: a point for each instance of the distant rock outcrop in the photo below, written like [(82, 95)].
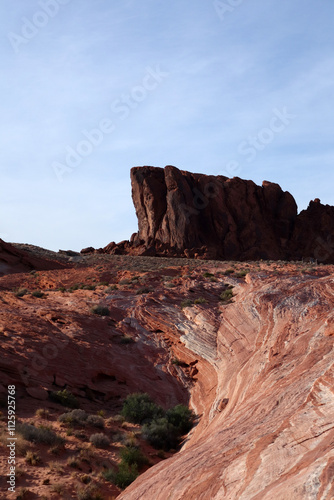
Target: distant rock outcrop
[(15, 260), (214, 217)]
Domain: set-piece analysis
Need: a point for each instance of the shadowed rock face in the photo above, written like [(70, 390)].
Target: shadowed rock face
[(14, 260), (230, 218), (214, 217)]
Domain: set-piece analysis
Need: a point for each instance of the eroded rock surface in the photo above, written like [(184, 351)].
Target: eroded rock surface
[(258, 371), (267, 428)]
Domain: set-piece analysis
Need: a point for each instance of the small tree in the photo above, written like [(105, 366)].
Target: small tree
[(139, 407)]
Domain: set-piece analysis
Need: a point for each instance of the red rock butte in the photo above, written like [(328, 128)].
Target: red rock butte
[(213, 217)]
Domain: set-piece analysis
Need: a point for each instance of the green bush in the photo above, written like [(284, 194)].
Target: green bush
[(228, 272), (226, 295), (161, 434), (208, 275), (200, 300), (89, 492), (123, 477), (21, 292), (241, 274), (100, 310), (186, 303), (132, 455), (95, 421), (125, 282), (74, 417), (99, 440), (127, 340), (181, 417), (41, 434), (64, 398), (142, 290), (139, 407), (38, 294)]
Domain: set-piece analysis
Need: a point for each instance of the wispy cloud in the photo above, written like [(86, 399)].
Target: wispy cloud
[(225, 78)]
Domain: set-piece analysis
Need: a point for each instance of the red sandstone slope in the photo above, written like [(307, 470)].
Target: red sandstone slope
[(14, 260), (268, 403), (259, 370)]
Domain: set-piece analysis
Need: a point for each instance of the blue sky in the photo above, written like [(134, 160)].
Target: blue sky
[(91, 89)]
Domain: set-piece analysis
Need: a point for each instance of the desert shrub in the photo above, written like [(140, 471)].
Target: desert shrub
[(42, 413), (186, 303), (74, 417), (38, 294), (126, 340), (56, 467), (80, 435), (73, 462), (241, 274), (32, 458), (89, 287), (161, 434), (103, 283), (119, 419), (226, 295), (41, 434), (99, 440), (89, 492), (208, 275), (111, 288), (181, 417), (200, 300), (125, 282), (65, 398), (95, 421), (58, 488), (123, 477), (100, 310), (133, 455), (74, 287), (169, 285), (142, 290), (139, 407), (228, 272), (21, 292)]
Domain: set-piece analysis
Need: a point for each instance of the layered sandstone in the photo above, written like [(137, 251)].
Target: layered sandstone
[(258, 371), (266, 429)]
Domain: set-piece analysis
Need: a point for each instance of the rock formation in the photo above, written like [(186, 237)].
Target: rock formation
[(196, 215), (258, 370), (15, 260)]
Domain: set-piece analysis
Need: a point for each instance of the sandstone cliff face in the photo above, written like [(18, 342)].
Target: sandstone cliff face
[(229, 218), (266, 430), (214, 217)]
